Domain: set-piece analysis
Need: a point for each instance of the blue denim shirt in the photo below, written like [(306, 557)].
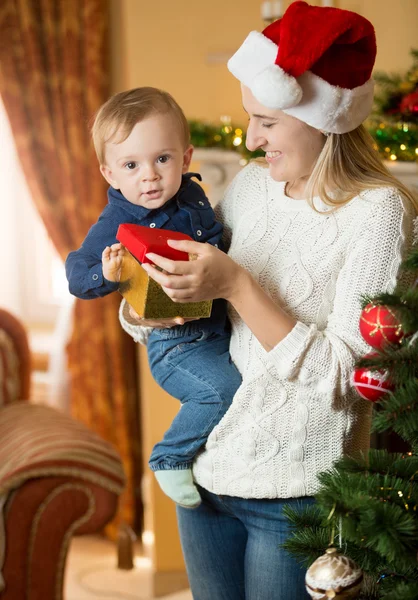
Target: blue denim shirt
[(188, 211)]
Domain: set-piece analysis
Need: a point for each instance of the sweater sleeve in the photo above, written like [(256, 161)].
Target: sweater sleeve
[(137, 332), (325, 358)]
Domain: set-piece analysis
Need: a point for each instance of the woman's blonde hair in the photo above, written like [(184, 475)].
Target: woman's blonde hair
[(350, 164), (117, 117)]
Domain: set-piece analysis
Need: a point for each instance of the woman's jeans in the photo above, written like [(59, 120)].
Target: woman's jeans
[(232, 549), (193, 365)]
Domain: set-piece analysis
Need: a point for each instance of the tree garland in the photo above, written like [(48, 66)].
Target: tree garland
[(394, 121)]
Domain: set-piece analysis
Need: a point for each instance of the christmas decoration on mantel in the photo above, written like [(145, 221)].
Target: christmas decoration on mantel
[(226, 136), (366, 509), (394, 121)]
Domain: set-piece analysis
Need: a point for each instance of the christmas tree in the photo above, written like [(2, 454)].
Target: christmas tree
[(394, 121), (367, 505)]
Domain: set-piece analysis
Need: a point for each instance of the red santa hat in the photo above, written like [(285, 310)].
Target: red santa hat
[(315, 64)]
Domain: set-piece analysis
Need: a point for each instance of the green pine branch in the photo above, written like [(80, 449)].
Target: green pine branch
[(412, 261), (403, 590), (399, 412), (380, 462), (377, 512), (387, 79)]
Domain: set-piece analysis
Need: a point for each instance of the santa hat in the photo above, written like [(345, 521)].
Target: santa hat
[(315, 63)]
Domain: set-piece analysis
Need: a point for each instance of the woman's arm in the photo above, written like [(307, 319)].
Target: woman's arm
[(323, 358)]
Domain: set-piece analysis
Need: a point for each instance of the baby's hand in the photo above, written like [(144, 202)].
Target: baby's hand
[(112, 261)]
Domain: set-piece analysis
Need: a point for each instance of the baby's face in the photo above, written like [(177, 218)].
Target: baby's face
[(148, 165)]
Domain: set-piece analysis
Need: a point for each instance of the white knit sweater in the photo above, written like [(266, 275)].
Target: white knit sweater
[(296, 412)]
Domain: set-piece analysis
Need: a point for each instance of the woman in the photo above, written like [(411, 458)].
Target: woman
[(323, 225)]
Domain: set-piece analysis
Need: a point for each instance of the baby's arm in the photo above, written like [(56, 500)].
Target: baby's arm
[(112, 261)]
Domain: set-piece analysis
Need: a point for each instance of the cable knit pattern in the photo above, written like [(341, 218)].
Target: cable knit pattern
[(296, 412), (140, 334)]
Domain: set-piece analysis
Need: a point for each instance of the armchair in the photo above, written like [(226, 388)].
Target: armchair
[(57, 479)]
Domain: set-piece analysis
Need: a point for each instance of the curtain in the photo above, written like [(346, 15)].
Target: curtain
[(54, 75)]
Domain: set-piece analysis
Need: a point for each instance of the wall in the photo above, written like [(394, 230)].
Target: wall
[(396, 26), (170, 44)]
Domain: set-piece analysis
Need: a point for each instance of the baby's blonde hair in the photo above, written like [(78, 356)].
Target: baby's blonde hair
[(350, 164), (117, 117)]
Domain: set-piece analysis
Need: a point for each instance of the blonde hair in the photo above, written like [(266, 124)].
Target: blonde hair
[(117, 117), (350, 164)]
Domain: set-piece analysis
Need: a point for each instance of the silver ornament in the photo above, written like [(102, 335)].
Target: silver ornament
[(333, 576)]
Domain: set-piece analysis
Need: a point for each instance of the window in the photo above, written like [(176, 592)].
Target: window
[(33, 284)]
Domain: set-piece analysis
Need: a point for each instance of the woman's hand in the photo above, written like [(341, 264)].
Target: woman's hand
[(135, 319), (210, 274)]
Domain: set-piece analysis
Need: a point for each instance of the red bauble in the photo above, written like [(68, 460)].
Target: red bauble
[(379, 326), (409, 104), (371, 385)]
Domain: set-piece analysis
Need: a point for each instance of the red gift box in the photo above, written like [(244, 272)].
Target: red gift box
[(140, 240)]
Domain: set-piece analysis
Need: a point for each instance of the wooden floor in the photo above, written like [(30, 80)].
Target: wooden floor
[(91, 574)]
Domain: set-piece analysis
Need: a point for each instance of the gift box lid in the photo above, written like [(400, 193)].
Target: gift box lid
[(140, 240)]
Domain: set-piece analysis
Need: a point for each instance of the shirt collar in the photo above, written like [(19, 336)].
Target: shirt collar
[(116, 198)]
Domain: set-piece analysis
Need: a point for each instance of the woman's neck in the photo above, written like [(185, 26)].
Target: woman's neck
[(296, 189)]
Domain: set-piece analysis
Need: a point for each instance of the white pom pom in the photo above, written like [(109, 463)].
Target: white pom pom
[(274, 88)]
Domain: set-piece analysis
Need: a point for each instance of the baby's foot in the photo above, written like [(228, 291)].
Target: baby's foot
[(178, 485)]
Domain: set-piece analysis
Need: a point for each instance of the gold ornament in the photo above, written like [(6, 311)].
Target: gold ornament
[(333, 576)]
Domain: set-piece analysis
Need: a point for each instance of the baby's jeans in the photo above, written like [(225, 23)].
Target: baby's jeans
[(193, 365)]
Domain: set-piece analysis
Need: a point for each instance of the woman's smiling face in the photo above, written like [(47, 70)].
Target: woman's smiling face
[(292, 147)]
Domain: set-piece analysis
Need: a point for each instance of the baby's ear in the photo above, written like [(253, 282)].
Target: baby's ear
[(107, 174), (187, 158)]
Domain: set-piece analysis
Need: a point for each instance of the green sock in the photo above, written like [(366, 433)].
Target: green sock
[(178, 485)]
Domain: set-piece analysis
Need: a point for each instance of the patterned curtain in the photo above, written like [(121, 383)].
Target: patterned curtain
[(53, 77)]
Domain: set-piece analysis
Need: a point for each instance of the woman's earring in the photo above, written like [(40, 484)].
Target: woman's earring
[(325, 133)]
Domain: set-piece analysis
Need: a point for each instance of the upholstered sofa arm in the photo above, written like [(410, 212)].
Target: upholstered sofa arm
[(39, 441), (57, 479)]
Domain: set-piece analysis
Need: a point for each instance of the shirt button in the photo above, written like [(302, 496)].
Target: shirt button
[(152, 224), (216, 245), (95, 277), (201, 203), (199, 232)]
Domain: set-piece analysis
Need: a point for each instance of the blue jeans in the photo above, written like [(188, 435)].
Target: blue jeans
[(193, 365), (232, 549)]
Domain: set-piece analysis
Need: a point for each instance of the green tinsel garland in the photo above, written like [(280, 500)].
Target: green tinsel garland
[(226, 136), (397, 141), (394, 141), (394, 122)]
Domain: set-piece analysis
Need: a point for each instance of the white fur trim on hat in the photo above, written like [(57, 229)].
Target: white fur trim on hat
[(254, 55), (254, 65), (274, 88), (331, 108)]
